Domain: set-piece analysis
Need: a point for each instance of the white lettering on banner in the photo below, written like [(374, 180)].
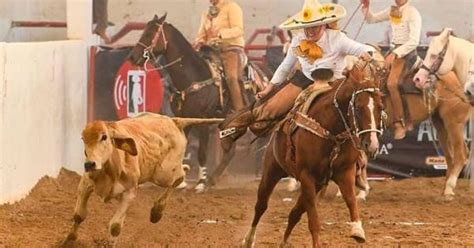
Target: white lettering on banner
[(426, 132), (384, 149), (425, 128)]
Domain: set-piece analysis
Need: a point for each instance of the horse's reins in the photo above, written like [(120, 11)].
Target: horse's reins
[(434, 68), (349, 21), (148, 49), (357, 132), (342, 137)]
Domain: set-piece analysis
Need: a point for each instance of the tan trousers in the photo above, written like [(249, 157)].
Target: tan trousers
[(395, 98), (100, 15), (233, 68), (279, 104)]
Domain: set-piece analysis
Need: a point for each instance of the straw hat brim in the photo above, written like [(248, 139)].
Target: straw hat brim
[(325, 14)]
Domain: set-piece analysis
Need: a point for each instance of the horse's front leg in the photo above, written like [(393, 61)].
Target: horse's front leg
[(293, 219), (346, 182), (309, 194), (272, 173), (84, 191), (362, 181), (459, 149), (203, 134)]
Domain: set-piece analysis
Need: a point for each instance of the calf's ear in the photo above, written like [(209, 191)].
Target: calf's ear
[(126, 144)]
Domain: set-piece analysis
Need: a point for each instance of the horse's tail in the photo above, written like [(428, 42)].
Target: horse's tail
[(186, 122)]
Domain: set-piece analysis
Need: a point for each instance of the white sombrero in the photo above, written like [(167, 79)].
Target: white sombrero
[(314, 14)]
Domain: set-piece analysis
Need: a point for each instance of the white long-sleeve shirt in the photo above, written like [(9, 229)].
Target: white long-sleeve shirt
[(406, 33), (335, 45)]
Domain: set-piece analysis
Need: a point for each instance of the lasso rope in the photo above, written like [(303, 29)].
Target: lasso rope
[(350, 19)]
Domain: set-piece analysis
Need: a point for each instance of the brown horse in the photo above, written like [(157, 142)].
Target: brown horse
[(325, 146), (197, 92), (449, 112)]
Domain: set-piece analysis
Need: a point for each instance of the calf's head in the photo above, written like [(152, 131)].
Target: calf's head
[(100, 139)]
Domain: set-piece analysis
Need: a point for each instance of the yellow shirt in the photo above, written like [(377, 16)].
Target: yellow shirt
[(229, 22)]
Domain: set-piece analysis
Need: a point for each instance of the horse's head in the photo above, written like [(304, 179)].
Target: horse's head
[(437, 59), (152, 42), (365, 109)]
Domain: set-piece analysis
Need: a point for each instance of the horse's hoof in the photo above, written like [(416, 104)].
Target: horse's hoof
[(357, 232), (449, 197), (249, 240), (362, 196), (293, 185), (182, 185), (284, 244), (247, 243), (200, 188)]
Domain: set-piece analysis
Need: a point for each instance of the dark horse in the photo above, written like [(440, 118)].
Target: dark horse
[(325, 146), (197, 94)]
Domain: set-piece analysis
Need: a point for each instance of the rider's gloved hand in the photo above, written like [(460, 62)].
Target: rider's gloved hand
[(265, 92), (197, 45), (366, 56)]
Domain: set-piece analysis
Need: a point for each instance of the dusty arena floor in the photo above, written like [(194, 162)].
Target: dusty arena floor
[(407, 213)]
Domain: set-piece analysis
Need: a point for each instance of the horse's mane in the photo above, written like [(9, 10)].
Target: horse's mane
[(349, 85), (461, 41), (184, 44)]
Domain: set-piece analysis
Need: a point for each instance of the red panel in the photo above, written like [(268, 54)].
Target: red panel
[(91, 85)]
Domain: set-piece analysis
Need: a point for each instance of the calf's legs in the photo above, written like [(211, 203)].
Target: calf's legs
[(115, 224), (80, 211), (157, 210)]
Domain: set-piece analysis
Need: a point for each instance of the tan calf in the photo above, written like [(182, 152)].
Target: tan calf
[(121, 155)]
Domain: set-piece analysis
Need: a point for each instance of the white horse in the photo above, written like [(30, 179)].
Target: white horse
[(448, 53)]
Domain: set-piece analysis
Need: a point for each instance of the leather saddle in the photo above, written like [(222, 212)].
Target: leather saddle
[(252, 80)]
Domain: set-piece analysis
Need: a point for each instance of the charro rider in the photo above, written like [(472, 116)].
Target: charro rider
[(223, 26), (405, 22), (320, 50)]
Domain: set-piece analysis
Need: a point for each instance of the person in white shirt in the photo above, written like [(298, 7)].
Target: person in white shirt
[(320, 50), (405, 23)]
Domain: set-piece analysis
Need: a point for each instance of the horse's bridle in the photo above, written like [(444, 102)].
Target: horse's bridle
[(433, 69), (352, 109), (148, 49)]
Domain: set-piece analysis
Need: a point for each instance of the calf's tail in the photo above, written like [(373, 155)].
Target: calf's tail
[(186, 122)]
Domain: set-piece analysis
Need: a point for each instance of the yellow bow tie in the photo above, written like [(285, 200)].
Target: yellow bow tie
[(395, 15), (309, 50)]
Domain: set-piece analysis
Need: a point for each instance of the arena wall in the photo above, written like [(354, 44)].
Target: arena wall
[(185, 15), (42, 112)]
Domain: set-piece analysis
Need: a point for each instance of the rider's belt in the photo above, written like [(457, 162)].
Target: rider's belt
[(232, 49)]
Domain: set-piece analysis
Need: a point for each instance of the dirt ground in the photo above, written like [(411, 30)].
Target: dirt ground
[(407, 213)]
